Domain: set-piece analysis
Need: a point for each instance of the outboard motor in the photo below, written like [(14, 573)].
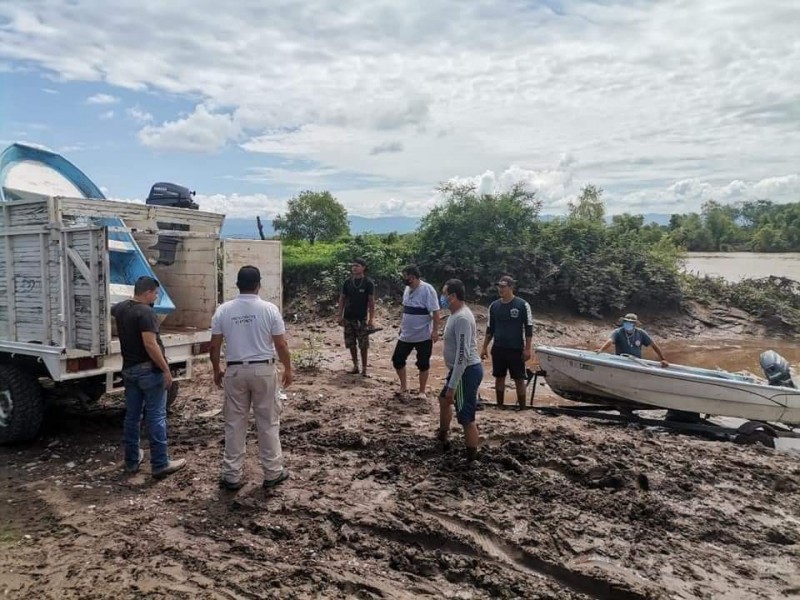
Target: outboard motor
[(174, 196), (776, 369), (170, 194)]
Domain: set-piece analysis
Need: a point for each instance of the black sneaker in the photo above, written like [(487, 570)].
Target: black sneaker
[(231, 486), (271, 483)]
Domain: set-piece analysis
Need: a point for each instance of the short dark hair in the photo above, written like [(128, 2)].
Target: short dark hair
[(360, 261), (412, 270), (508, 280), (145, 284), (455, 286), (248, 279)]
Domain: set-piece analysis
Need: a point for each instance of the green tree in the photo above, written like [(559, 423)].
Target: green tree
[(590, 205), (477, 237), (720, 222), (312, 216)]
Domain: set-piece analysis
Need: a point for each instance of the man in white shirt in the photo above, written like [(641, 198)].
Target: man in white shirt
[(254, 332), (419, 328)]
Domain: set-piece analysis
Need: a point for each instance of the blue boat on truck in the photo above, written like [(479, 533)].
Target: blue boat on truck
[(21, 164)]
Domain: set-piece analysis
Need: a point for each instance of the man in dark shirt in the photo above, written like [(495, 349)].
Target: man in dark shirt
[(356, 312), (510, 325), (147, 378), (629, 339)]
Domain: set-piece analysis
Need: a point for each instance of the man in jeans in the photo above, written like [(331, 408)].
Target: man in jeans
[(147, 378), (253, 332)]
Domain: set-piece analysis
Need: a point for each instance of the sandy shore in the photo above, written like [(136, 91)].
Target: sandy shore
[(556, 507)]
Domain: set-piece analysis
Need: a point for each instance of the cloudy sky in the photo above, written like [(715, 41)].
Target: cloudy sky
[(663, 104)]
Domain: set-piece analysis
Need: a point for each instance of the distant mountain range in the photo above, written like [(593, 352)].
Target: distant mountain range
[(247, 229)]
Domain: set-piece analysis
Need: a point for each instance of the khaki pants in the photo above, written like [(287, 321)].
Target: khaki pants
[(255, 385)]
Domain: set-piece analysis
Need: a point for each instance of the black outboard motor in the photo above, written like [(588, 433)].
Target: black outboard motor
[(174, 196), (170, 194), (776, 369)]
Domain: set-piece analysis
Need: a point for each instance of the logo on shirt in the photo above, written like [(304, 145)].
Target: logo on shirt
[(514, 313), (243, 320)]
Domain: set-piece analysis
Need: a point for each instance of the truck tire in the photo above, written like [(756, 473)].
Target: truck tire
[(21, 405)]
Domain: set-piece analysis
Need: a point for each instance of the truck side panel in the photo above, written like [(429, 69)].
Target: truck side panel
[(191, 279), (264, 254)]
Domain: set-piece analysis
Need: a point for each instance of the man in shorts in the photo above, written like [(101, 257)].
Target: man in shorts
[(356, 313), (419, 328), (510, 325), (465, 369)]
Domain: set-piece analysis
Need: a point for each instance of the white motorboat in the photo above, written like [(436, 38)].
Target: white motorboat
[(627, 381)]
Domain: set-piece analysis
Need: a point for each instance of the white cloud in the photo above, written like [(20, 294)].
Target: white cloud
[(109, 114), (102, 99), (139, 115), (636, 97), (199, 132)]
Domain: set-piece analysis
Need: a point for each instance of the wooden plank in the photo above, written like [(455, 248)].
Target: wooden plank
[(142, 216), (266, 255), (9, 263)]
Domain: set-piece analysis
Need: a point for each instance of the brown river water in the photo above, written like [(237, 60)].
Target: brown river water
[(728, 355)]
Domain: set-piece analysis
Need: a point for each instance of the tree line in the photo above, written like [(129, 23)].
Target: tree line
[(582, 261)]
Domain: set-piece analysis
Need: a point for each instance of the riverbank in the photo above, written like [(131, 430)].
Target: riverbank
[(555, 508)]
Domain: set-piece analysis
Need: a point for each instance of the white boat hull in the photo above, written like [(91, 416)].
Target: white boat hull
[(628, 380)]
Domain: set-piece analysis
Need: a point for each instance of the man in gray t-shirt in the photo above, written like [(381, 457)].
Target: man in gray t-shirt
[(465, 369), (419, 328)]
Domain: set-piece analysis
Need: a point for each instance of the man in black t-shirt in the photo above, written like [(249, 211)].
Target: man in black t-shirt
[(510, 325), (146, 375), (356, 312)]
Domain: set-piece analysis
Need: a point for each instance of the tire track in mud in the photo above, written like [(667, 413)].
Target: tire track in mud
[(490, 544)]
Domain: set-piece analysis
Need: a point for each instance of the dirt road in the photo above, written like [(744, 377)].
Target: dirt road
[(555, 508)]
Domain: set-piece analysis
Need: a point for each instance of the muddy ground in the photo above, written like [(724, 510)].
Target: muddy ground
[(556, 507)]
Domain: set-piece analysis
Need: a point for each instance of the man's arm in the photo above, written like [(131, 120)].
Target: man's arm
[(660, 354), (489, 333), (340, 310), (605, 346), (371, 307), (155, 354), (462, 330), (528, 331), (437, 322), (282, 348), (214, 352)]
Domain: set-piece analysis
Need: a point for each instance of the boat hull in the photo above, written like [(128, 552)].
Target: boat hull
[(622, 380), (41, 171)]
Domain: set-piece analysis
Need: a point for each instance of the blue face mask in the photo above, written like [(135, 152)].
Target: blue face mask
[(444, 303), (628, 326)]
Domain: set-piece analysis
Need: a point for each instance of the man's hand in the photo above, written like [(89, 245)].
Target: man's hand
[(167, 380), (664, 363), (287, 378), (435, 336), (450, 395), (218, 377), (526, 354), (484, 354), (371, 324), (340, 321)]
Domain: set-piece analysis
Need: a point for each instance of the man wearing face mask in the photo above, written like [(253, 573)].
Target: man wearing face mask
[(465, 369), (419, 328), (629, 339)]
